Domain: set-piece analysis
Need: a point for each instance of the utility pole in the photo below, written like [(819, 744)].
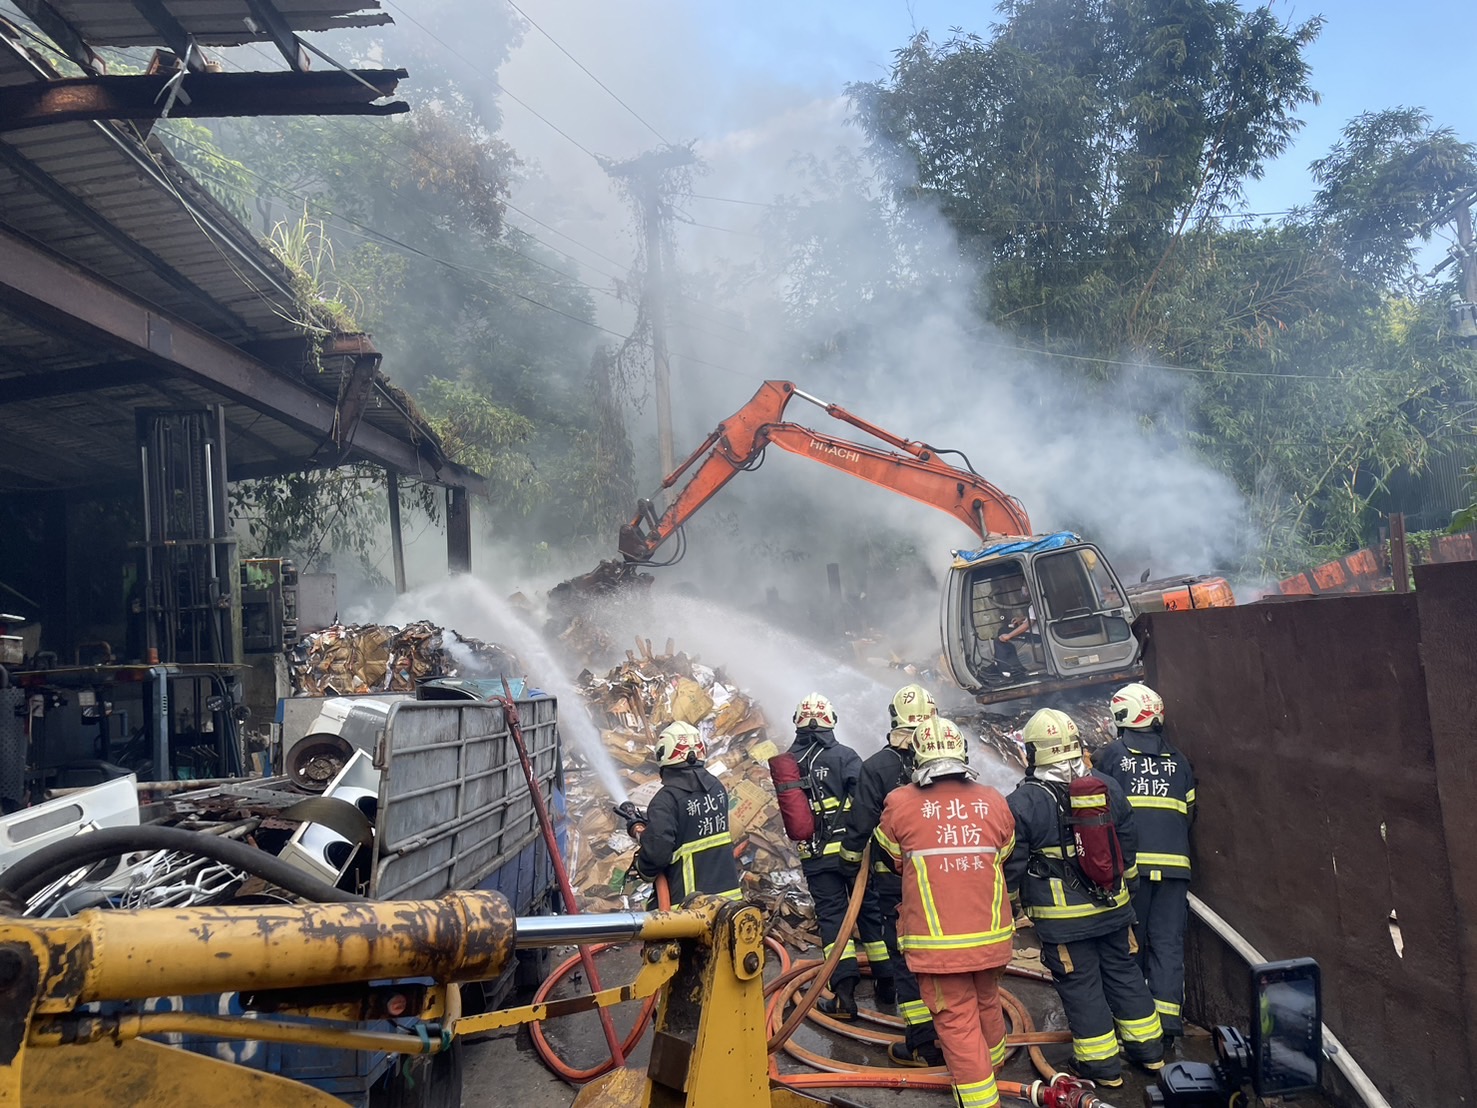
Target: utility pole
[(1464, 254), (656, 312), (1466, 322), (643, 177)]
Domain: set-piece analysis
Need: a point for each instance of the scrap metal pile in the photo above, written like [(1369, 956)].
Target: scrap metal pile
[(264, 813), (631, 704), (345, 660)]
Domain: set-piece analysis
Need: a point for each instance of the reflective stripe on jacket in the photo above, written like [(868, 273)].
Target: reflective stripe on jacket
[(687, 836), (890, 768), (950, 840), (1041, 871), (832, 769), (1160, 785)]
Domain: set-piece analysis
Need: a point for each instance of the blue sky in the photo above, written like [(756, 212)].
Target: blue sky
[(1371, 55)]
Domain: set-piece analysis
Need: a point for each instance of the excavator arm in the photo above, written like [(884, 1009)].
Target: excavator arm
[(737, 444)]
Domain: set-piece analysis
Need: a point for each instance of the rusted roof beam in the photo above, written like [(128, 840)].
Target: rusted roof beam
[(81, 305), (63, 34), (74, 206), (269, 20), (173, 32), (212, 95), (67, 382)]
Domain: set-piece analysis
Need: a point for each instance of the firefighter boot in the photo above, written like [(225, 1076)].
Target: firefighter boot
[(842, 1004), (927, 1054), (884, 992)]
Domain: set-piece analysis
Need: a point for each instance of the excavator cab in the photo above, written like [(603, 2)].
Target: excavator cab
[(1045, 613)]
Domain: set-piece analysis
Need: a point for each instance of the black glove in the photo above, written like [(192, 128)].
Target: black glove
[(849, 870), (635, 818)]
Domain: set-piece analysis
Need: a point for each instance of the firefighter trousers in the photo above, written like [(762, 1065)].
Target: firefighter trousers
[(831, 891), (971, 1031), (871, 929), (1106, 999), (1163, 911), (918, 1030)]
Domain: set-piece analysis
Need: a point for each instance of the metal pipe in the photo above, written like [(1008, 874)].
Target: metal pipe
[(605, 927), (1337, 1054), (610, 927), (551, 841)]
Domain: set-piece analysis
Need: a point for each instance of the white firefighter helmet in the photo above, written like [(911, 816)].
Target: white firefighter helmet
[(1137, 707), (815, 714), (1051, 737), (679, 744), (910, 706)]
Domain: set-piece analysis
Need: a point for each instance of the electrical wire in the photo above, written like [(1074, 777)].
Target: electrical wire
[(483, 74), (585, 70)]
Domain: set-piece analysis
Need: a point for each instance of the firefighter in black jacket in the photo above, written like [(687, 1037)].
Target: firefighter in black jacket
[(831, 769), (685, 833), (892, 982), (1160, 785), (1087, 940)]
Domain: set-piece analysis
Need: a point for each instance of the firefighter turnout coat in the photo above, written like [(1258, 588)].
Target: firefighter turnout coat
[(1051, 890), (890, 768), (833, 769), (951, 840), (687, 836), (1160, 785)]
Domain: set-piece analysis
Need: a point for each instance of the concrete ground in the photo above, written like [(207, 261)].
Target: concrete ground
[(505, 1070)]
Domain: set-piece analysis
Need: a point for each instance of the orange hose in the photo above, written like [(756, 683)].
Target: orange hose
[(836, 1074)]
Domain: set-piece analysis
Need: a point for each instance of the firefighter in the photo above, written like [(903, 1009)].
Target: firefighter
[(892, 981), (685, 832), (951, 836), (1086, 934), (830, 769), (1160, 784)]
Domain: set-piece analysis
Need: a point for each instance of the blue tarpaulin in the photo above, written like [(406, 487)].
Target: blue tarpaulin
[(1017, 546)]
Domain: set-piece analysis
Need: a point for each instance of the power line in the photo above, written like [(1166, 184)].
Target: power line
[(584, 69), (475, 272), (482, 72)]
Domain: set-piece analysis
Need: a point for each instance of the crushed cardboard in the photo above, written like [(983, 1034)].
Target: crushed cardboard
[(364, 658), (630, 703)]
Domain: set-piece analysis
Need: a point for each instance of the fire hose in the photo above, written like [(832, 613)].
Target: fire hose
[(1057, 1091)]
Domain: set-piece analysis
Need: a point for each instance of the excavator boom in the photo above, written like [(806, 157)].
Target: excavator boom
[(737, 444)]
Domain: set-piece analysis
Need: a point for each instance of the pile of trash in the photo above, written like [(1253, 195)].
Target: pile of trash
[(631, 704), (1001, 730), (365, 658)]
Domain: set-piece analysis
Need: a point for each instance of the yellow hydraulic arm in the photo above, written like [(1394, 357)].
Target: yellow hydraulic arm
[(709, 1044)]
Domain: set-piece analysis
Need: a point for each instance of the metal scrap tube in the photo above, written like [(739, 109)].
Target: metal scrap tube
[(1336, 1051)]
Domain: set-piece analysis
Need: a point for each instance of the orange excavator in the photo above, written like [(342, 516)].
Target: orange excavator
[(1023, 613)]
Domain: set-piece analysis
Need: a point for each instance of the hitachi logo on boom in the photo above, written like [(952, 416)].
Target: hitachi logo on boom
[(838, 451)]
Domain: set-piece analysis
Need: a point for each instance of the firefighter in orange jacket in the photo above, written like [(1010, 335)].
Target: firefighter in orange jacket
[(950, 836)]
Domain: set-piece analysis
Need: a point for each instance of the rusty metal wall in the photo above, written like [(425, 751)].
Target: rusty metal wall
[(1322, 812)]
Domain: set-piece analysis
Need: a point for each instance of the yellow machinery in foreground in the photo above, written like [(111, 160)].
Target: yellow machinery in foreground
[(314, 963)]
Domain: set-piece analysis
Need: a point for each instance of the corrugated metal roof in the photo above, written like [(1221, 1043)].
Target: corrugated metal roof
[(104, 198), (211, 22)]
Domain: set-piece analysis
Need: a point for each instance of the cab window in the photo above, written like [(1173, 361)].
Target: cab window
[(1081, 599)]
